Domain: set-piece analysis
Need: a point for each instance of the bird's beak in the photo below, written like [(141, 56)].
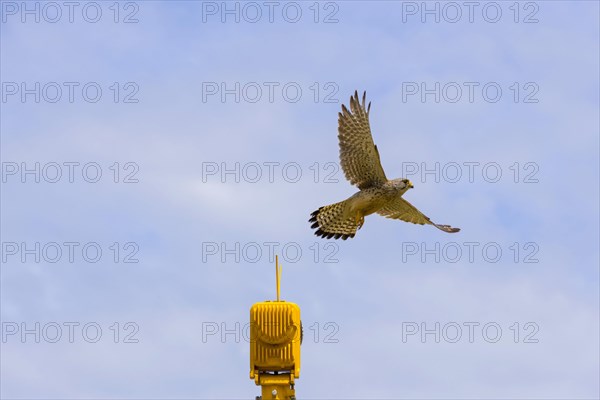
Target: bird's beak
[(410, 185)]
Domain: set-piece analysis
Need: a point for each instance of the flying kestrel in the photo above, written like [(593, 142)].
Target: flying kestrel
[(360, 161)]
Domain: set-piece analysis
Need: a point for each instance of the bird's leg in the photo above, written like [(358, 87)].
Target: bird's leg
[(359, 219)]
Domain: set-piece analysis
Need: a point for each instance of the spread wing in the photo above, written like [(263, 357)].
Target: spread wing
[(403, 210), (359, 156)]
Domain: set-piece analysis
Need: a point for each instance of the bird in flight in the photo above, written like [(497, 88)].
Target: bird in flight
[(360, 161)]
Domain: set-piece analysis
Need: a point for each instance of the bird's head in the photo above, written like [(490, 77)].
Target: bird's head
[(403, 184)]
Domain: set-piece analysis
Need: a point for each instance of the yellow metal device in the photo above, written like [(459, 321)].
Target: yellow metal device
[(275, 337)]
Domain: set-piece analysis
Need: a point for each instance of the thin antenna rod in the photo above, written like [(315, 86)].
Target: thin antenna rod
[(277, 274)]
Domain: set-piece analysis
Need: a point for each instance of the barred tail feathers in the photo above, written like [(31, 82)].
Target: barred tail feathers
[(334, 221)]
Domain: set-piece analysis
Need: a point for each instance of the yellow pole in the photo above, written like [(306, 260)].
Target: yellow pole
[(277, 274)]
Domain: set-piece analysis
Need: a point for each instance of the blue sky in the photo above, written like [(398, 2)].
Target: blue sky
[(185, 225)]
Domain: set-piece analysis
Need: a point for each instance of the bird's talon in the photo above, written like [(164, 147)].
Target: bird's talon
[(359, 221)]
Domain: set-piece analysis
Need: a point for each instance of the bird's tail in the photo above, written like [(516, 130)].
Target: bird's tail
[(334, 221)]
